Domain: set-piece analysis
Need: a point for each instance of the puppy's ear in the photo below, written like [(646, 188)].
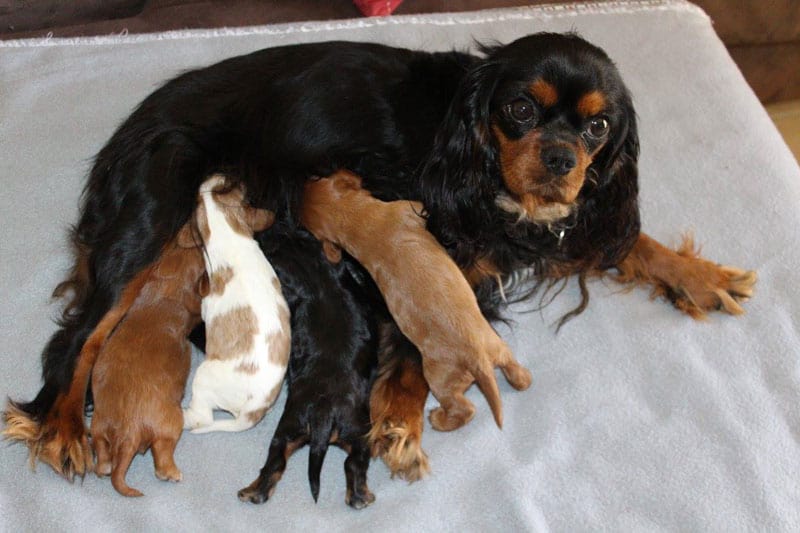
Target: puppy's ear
[(332, 252), (203, 285), (259, 219), (346, 180), (186, 238)]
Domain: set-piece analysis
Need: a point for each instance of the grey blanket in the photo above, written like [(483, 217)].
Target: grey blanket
[(639, 418)]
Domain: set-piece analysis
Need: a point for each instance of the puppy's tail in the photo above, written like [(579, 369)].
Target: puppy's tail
[(122, 461), (321, 431), (484, 376)]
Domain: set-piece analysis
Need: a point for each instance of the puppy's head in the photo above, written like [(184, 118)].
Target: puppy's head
[(219, 193), (560, 116)]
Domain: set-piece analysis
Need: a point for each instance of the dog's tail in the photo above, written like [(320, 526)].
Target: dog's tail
[(484, 376), (321, 432), (123, 456)]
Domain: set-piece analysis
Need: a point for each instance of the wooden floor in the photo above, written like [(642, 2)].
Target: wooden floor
[(786, 116)]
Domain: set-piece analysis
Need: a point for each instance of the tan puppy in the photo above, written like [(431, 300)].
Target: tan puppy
[(424, 290), (140, 374)]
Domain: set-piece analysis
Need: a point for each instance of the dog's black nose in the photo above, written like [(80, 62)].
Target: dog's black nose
[(558, 159)]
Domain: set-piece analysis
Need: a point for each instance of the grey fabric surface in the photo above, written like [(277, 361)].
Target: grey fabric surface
[(639, 418)]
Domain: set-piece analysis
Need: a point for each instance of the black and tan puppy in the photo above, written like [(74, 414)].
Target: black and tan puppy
[(331, 369)]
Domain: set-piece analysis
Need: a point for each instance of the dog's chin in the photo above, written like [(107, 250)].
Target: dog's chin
[(531, 208)]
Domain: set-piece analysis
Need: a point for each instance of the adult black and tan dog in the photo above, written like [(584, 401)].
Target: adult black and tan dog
[(523, 156)]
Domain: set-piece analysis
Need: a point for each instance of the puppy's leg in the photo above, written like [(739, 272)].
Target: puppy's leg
[(397, 409), (692, 284), (200, 412), (163, 450), (103, 452), (517, 375), (448, 385), (289, 436), (358, 494)]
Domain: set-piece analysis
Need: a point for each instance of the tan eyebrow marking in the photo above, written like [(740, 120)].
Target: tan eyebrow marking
[(544, 93), (591, 103)]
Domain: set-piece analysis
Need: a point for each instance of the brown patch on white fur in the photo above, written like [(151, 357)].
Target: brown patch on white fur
[(279, 341), (256, 416), (272, 395), (249, 368), (544, 93), (233, 334), (693, 284), (219, 279), (591, 104)]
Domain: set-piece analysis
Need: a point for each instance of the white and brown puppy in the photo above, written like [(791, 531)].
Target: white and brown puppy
[(248, 334)]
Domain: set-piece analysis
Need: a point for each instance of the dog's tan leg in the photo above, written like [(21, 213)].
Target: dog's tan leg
[(693, 284), (397, 410)]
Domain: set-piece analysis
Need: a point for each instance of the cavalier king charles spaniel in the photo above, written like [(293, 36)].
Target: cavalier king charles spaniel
[(524, 157)]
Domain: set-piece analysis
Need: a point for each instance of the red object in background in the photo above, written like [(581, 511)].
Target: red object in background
[(377, 8)]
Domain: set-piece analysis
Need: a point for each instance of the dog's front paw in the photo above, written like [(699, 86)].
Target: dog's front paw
[(701, 286), (693, 284), (400, 447)]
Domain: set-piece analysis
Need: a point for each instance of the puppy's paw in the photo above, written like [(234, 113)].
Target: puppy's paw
[(103, 468), (400, 448), (517, 376), (259, 490), (359, 499), (169, 474), (449, 420)]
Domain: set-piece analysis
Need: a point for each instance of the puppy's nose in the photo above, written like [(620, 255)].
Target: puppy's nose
[(558, 159)]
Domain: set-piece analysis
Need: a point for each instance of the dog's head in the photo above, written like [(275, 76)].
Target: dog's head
[(541, 129)]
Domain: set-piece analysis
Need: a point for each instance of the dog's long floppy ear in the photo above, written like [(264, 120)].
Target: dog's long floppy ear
[(619, 158), (608, 221), (458, 173)]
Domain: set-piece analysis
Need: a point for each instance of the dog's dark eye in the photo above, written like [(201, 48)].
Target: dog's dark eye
[(521, 110), (598, 127)]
